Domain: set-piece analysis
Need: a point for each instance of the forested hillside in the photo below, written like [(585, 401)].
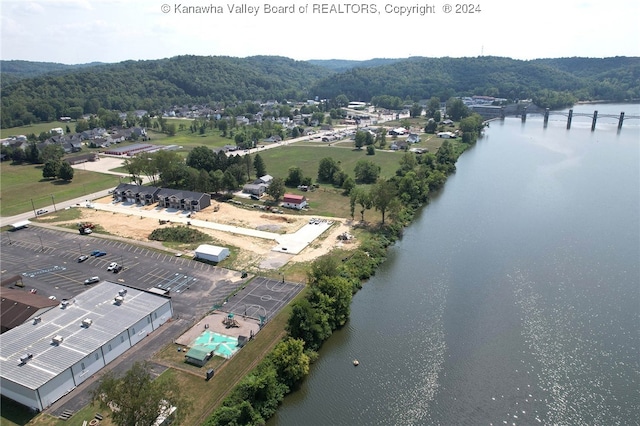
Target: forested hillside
[(419, 78), (185, 80), (26, 69), (341, 65), (156, 84)]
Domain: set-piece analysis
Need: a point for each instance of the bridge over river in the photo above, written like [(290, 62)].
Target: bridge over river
[(502, 112)]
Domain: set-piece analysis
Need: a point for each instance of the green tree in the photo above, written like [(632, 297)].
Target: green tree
[(381, 195), (138, 398), (216, 179), (416, 110), (50, 169), (248, 165), (348, 184), (263, 389), (201, 158), (51, 151), (371, 150), (431, 126), (381, 138), (456, 109), (229, 182), (290, 361), (33, 153), (65, 172), (276, 189), (240, 414), (432, 106), (325, 266), (366, 171), (342, 100), (471, 127), (172, 129), (169, 165), (327, 169), (353, 200), (259, 166), (333, 295), (309, 324), (360, 139), (295, 176)]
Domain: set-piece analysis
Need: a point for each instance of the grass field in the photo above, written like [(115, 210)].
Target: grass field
[(22, 185)]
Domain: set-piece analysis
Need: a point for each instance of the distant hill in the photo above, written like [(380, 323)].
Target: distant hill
[(26, 69), (420, 78), (341, 65), (157, 84), (56, 89)]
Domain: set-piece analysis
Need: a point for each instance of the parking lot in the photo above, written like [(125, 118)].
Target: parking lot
[(47, 261)]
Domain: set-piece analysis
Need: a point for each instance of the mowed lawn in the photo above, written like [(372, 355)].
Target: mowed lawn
[(22, 184), (308, 156)]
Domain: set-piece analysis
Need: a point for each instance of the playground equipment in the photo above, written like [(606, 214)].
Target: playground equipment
[(230, 321)]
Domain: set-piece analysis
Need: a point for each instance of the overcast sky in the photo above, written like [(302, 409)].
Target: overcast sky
[(81, 31)]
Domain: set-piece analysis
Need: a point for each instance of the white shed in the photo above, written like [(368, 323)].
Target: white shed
[(212, 253)]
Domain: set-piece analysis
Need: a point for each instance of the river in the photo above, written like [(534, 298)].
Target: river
[(513, 298)]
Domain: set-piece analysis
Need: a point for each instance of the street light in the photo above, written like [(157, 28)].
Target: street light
[(54, 203), (41, 245), (34, 208)]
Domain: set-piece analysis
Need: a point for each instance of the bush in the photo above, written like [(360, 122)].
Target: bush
[(179, 234)]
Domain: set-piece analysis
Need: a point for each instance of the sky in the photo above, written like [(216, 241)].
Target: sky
[(82, 31)]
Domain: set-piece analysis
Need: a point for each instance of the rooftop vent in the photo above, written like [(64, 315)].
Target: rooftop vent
[(37, 319), (122, 291), (64, 304), (119, 299), (24, 358), (57, 339), (87, 322)]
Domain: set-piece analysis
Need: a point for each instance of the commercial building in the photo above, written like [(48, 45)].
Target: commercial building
[(47, 357)]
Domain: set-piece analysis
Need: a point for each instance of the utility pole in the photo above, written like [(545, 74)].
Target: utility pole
[(54, 203), (34, 208)]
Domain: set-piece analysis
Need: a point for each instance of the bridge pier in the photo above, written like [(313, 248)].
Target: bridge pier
[(620, 120), (569, 118), (593, 121), (546, 117), (503, 113), (524, 114)]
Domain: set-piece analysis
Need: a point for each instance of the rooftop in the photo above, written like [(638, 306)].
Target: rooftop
[(108, 320)]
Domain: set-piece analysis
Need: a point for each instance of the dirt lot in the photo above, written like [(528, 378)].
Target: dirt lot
[(252, 251)]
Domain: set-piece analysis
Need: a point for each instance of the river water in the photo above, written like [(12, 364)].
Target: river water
[(514, 297)]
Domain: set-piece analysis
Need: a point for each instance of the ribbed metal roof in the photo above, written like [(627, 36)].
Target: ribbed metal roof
[(49, 359)]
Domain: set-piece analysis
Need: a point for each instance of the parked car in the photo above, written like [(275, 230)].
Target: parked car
[(111, 266), (82, 258), (42, 211), (117, 269), (100, 253), (91, 280), (93, 253)]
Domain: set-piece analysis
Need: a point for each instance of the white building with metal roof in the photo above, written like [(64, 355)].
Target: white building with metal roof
[(46, 358)]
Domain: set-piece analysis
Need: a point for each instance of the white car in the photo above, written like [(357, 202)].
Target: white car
[(112, 266), (91, 280)]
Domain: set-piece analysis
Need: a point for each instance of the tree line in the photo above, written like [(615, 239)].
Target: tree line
[(186, 80)]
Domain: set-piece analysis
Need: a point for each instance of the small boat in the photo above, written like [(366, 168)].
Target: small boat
[(356, 362)]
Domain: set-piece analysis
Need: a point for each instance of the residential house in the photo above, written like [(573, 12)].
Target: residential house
[(259, 186), (294, 201), (183, 200), (137, 194), (413, 138)]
